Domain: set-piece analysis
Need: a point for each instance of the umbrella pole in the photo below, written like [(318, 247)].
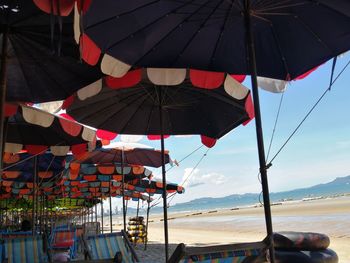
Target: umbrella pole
[(4, 50), (102, 215), (35, 159), (148, 208), (110, 203), (259, 132), (123, 191), (165, 205)]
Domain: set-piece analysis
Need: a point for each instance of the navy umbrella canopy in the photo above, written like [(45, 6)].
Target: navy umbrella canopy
[(42, 59), (268, 38), (291, 37)]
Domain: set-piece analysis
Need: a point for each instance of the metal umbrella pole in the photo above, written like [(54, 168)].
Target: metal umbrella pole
[(165, 210), (147, 218), (123, 190), (258, 124), (3, 71), (102, 215), (110, 203), (35, 163)]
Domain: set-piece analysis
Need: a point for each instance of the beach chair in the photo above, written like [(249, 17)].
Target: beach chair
[(255, 252), (91, 228), (31, 249), (104, 248), (64, 239)]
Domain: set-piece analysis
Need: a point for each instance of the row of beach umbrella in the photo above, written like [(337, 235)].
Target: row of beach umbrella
[(175, 69)]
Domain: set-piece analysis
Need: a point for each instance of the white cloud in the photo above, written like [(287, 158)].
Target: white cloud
[(192, 178)]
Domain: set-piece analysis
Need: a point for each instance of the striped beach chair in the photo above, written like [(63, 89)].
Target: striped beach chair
[(64, 239), (106, 246), (25, 250), (255, 252)]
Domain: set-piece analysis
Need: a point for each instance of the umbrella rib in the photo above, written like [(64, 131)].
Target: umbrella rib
[(284, 61), (280, 5), (117, 112), (144, 27), (119, 15), (196, 33), (314, 34), (221, 33), (134, 113), (42, 67), (153, 22)]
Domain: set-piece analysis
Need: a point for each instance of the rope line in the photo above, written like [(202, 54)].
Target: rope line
[(310, 111)]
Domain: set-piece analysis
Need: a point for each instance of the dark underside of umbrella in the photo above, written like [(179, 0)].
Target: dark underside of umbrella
[(186, 110), (291, 36), (21, 132), (41, 67), (144, 157)]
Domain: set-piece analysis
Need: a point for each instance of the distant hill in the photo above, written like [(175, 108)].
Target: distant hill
[(340, 185)]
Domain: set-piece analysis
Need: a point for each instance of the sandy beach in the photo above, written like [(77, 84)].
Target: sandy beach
[(329, 216)]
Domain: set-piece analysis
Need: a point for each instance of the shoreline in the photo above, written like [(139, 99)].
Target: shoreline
[(330, 216)]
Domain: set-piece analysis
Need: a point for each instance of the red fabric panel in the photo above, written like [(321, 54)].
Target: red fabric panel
[(105, 142), (249, 107), (206, 79), (10, 109), (130, 79), (72, 128), (68, 102), (239, 78), (36, 149), (207, 141), (307, 73), (156, 137), (90, 51), (65, 6), (84, 7), (105, 169), (79, 149), (106, 135), (46, 174), (67, 116)]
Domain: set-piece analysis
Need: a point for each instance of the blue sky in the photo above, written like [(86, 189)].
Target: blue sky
[(319, 152)]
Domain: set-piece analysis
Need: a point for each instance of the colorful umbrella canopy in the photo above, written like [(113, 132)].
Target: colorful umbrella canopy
[(102, 172), (43, 61), (20, 167), (136, 156), (35, 131), (211, 35), (192, 102)]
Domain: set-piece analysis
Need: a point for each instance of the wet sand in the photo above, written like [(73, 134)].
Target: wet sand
[(329, 216)]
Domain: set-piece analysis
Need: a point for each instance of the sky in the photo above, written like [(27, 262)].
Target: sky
[(318, 153)]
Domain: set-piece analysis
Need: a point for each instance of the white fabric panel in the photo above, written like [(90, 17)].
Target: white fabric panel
[(114, 67), (13, 147), (127, 146), (234, 88), (88, 134), (59, 150), (37, 117), (130, 138), (76, 24), (90, 90), (272, 85), (166, 76), (51, 107)]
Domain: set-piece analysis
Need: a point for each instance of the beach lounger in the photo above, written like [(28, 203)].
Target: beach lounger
[(104, 247), (64, 239), (29, 249), (91, 228), (255, 252)]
